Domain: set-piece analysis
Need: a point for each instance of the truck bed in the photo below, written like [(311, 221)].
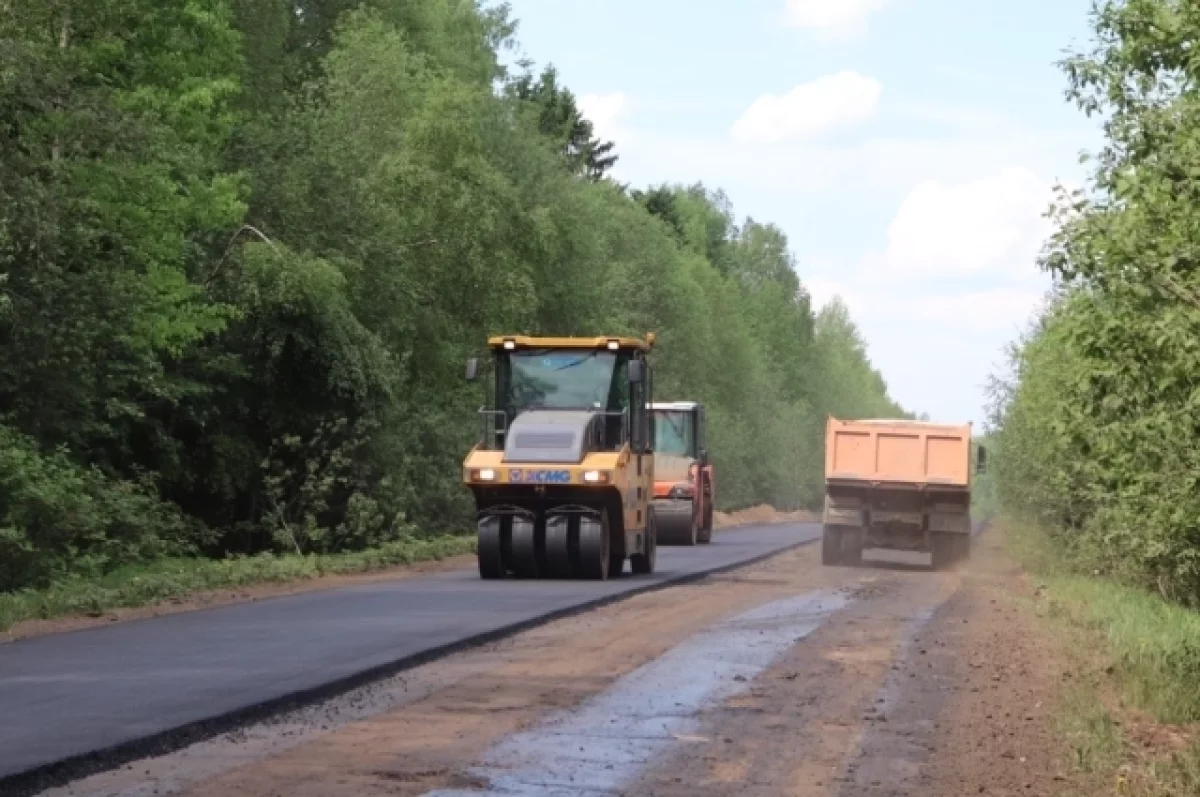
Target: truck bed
[(898, 453)]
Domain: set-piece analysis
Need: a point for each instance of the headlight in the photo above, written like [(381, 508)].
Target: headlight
[(485, 475), (595, 477)]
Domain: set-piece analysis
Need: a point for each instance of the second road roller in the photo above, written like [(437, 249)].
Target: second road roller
[(563, 472), (683, 476)]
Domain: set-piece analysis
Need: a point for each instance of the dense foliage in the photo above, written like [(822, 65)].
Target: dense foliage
[(1100, 422), (247, 245)]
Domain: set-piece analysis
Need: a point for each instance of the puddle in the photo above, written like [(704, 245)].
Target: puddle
[(605, 742)]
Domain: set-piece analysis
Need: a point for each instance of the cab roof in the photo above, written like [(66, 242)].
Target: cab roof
[(674, 406), (901, 422), (527, 342)]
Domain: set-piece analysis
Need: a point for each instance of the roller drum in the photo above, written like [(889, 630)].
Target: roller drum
[(676, 523)]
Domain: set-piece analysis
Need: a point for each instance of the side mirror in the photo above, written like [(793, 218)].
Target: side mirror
[(637, 372), (472, 369), (981, 460)]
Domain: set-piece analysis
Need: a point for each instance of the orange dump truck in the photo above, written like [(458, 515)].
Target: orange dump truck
[(902, 485)]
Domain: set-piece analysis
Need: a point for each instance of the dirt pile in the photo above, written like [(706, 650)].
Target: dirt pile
[(762, 515)]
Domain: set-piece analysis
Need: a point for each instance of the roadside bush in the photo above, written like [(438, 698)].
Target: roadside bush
[(57, 517)]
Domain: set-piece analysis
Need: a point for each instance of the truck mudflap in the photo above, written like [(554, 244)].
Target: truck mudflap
[(843, 514), (950, 522), (883, 518)]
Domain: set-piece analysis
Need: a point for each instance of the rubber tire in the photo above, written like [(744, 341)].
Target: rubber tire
[(558, 547), (852, 547), (491, 548), (525, 558), (964, 548), (595, 547), (944, 546), (643, 564), (831, 546)]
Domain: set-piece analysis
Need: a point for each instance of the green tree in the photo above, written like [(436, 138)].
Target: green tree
[(563, 125), (112, 201), (1097, 423), (245, 250)]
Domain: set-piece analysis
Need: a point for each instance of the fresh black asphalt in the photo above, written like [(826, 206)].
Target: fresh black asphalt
[(75, 694)]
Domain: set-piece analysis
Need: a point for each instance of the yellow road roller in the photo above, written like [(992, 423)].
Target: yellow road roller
[(563, 473)]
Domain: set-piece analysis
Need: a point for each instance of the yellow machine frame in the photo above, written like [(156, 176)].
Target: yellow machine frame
[(616, 484)]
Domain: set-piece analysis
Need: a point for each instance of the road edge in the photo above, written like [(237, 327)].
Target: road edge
[(64, 771)]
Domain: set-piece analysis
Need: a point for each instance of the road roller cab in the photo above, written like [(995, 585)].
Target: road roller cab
[(683, 476), (564, 468)]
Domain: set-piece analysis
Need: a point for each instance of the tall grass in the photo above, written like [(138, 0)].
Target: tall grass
[(1155, 645), (1149, 652)]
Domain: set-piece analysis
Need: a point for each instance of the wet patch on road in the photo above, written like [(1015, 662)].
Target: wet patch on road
[(904, 718), (793, 732), (609, 739)]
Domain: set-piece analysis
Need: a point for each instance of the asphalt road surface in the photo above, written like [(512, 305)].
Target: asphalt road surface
[(782, 678), (69, 695)]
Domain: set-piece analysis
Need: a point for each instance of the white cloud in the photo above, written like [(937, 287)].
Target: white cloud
[(986, 311), (874, 167), (955, 282), (836, 18), (992, 224), (936, 350), (810, 109), (606, 112), (929, 236), (996, 310)]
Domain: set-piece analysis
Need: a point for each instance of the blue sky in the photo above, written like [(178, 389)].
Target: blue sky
[(907, 147)]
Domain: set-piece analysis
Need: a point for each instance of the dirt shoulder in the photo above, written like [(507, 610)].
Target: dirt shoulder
[(1003, 675)]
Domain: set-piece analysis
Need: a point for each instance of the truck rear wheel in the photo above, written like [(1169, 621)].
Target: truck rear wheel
[(852, 547), (831, 546), (963, 553), (945, 547)]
